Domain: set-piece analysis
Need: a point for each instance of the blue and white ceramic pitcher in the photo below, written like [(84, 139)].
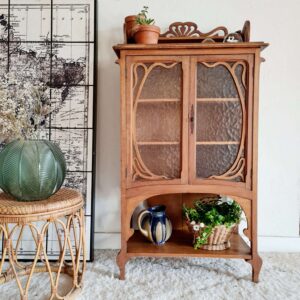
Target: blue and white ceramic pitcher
[(155, 225)]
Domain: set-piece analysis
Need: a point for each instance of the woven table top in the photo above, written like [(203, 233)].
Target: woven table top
[(64, 202)]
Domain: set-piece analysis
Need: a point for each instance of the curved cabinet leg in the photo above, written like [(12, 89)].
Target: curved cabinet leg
[(256, 264), (126, 233), (121, 261)]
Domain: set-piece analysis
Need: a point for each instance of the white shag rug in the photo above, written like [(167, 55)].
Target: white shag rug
[(179, 278)]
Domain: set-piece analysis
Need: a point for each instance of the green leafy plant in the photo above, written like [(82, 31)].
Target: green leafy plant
[(142, 17), (206, 215)]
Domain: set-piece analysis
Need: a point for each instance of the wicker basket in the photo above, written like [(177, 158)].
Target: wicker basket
[(217, 240), (220, 236)]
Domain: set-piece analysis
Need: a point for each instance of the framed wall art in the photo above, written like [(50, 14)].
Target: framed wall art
[(52, 43)]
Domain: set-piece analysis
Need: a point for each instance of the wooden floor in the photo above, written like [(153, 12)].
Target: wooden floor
[(180, 244)]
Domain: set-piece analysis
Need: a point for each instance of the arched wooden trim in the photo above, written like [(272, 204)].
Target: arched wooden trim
[(132, 203), (246, 205), (190, 29), (237, 168), (140, 170)]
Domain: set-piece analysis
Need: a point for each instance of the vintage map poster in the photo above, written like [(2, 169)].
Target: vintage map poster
[(51, 43)]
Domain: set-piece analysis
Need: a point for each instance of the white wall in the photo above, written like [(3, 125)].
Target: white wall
[(273, 21)]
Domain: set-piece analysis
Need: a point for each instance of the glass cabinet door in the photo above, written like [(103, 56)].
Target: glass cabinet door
[(219, 110), (156, 120)]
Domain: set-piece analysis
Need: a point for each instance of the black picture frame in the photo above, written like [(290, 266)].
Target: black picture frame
[(94, 46)]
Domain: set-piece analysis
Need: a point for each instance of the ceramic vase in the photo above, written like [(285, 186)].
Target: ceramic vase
[(31, 169), (155, 225)]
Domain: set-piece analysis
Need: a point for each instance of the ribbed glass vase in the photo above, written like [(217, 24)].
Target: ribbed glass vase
[(31, 169)]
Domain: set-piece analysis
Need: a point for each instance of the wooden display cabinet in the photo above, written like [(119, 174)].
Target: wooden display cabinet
[(189, 118)]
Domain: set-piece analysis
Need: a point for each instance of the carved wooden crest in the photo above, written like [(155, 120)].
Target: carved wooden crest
[(190, 29)]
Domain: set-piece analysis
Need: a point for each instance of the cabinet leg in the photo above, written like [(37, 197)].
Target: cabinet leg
[(121, 261), (256, 264)]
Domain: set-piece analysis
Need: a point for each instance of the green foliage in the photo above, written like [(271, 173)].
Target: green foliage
[(203, 237), (212, 214), (142, 18)]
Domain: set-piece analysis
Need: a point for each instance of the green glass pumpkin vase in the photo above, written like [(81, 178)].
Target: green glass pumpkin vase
[(31, 169)]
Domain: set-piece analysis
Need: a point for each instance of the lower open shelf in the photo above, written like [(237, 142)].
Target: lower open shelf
[(180, 244)]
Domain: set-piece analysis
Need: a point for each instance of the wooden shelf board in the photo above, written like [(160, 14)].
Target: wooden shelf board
[(218, 143), (157, 143), (159, 100), (188, 45), (180, 244), (218, 99)]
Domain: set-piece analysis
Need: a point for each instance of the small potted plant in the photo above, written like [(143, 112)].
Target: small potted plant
[(145, 32), (129, 23), (212, 220)]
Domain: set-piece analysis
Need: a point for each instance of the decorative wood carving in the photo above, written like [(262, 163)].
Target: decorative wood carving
[(246, 31), (237, 168), (240, 35), (190, 29), (246, 207), (140, 170)]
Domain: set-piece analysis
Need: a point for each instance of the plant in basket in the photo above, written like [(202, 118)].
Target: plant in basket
[(212, 220), (145, 32), (30, 168)]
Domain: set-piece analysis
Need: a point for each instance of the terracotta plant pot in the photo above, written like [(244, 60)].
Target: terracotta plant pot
[(146, 34), (130, 22)]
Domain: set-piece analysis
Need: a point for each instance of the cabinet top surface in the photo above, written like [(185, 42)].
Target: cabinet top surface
[(188, 46)]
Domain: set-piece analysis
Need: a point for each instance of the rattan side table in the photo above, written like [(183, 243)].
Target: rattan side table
[(64, 211)]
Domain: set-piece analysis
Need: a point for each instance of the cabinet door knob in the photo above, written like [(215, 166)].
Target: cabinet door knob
[(192, 119)]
